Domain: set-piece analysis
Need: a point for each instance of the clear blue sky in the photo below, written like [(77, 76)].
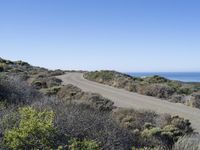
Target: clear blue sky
[(124, 35)]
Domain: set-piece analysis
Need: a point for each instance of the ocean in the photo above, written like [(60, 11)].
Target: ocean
[(180, 76)]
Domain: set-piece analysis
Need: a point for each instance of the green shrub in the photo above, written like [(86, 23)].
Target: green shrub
[(51, 91), (157, 79), (83, 145), (137, 79), (3, 104), (175, 85), (16, 70), (196, 87), (39, 84), (43, 81), (57, 72), (22, 63), (34, 131), (3, 67), (70, 92), (170, 133), (104, 75), (184, 90), (182, 124), (134, 119)]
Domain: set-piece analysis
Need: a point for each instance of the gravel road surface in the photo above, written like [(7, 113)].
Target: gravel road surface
[(123, 98)]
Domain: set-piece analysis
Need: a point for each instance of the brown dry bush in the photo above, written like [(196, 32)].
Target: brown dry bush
[(14, 90), (45, 82), (195, 100), (188, 142), (82, 121), (134, 119), (71, 93), (159, 90)]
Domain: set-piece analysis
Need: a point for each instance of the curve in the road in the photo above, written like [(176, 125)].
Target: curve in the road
[(123, 98)]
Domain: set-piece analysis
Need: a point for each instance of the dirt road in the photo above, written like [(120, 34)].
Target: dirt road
[(123, 98)]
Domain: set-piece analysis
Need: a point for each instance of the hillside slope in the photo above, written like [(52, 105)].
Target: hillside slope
[(156, 86), (126, 99), (38, 112)]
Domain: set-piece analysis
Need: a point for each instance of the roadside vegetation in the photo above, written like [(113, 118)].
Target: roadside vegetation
[(37, 112), (156, 86)]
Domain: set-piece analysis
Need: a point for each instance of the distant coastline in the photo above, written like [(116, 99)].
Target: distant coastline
[(179, 76)]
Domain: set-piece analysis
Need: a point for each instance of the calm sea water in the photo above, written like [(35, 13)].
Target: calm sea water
[(181, 76)]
